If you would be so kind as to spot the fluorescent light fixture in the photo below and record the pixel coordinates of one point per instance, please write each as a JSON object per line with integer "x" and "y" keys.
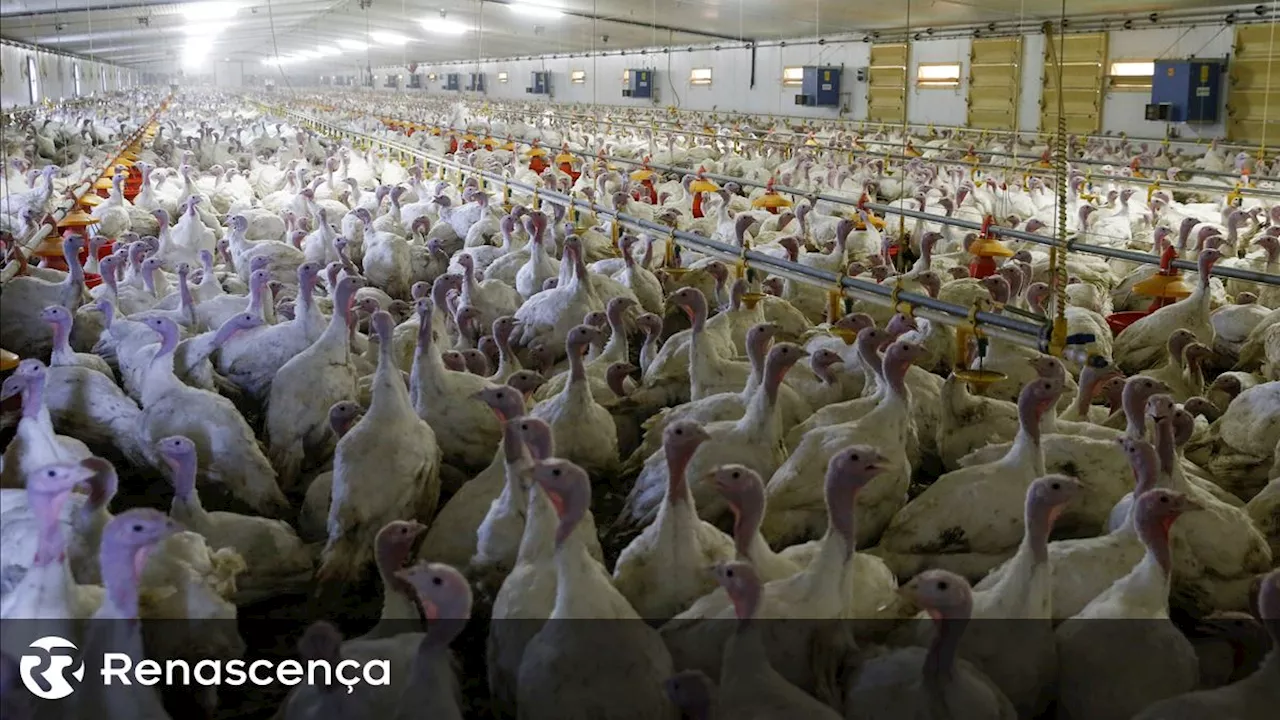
{"x": 1133, "y": 68}
{"x": 535, "y": 9}
{"x": 210, "y": 10}
{"x": 326, "y": 51}
{"x": 195, "y": 51}
{"x": 347, "y": 44}
{"x": 444, "y": 27}
{"x": 938, "y": 74}
{"x": 205, "y": 29}
{"x": 389, "y": 38}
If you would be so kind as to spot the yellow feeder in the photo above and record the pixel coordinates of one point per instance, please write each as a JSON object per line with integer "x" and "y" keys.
{"x": 643, "y": 174}
{"x": 811, "y": 142}
{"x": 701, "y": 185}
{"x": 89, "y": 200}
{"x": 771, "y": 200}
{"x": 751, "y": 299}
{"x": 565, "y": 158}
{"x": 8, "y": 360}
{"x": 77, "y": 218}
{"x": 1163, "y": 286}
{"x": 489, "y": 142}
{"x": 536, "y": 152}
{"x": 979, "y": 379}
{"x": 911, "y": 150}
{"x": 103, "y": 184}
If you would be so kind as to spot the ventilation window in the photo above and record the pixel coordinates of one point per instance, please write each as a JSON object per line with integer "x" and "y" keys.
{"x": 700, "y": 76}
{"x": 502, "y": 77}
{"x": 626, "y": 78}
{"x": 938, "y": 75}
{"x": 431, "y": 76}
{"x": 578, "y": 77}
{"x": 33, "y": 80}
{"x": 1131, "y": 74}
{"x": 793, "y": 76}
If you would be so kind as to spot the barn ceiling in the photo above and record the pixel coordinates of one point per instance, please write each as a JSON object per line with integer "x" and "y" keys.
{"x": 142, "y": 32}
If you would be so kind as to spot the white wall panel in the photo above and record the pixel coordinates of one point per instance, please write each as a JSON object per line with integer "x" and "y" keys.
{"x": 731, "y": 80}
{"x": 57, "y": 80}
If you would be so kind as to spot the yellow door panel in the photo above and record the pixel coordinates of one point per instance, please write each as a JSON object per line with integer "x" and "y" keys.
{"x": 1253, "y": 86}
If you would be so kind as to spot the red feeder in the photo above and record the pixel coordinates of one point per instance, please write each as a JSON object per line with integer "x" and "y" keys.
{"x": 985, "y": 250}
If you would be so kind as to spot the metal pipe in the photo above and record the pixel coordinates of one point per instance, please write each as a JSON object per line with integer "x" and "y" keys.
{"x": 1013, "y": 329}
{"x": 1074, "y": 246}
{"x": 1220, "y": 271}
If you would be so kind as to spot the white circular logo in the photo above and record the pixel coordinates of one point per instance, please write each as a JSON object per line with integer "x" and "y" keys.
{"x": 54, "y": 677}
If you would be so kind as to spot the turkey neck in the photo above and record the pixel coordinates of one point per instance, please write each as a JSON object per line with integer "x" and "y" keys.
{"x": 1090, "y": 379}
{"x": 120, "y": 572}
{"x": 390, "y": 396}
{"x": 336, "y": 332}
{"x": 61, "y": 337}
{"x": 186, "y": 501}
{"x": 939, "y": 663}
{"x": 1133, "y": 403}
{"x": 677, "y": 483}
{"x": 747, "y": 517}
{"x": 1167, "y": 455}
{"x": 1026, "y": 446}
{"x": 537, "y": 543}
{"x": 577, "y": 368}
{"x": 51, "y": 544}
{"x": 185, "y": 303}
{"x": 578, "y": 579}
{"x": 761, "y": 412}
{"x": 1156, "y": 566}
{"x": 257, "y": 292}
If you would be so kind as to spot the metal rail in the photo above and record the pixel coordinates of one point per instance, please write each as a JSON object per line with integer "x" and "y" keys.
{"x": 1004, "y": 327}
{"x": 85, "y": 186}
{"x": 1072, "y": 245}
{"x": 1154, "y": 183}
{"x": 739, "y": 138}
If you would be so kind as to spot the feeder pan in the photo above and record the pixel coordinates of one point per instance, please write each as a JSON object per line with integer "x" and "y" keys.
{"x": 77, "y": 218}
{"x": 489, "y": 142}
{"x": 642, "y": 174}
{"x": 435, "y": 131}
{"x": 773, "y": 201}
{"x": 848, "y": 335}
{"x": 1121, "y": 320}
{"x": 703, "y": 185}
{"x": 989, "y": 247}
{"x": 751, "y": 299}
{"x": 88, "y": 200}
{"x": 8, "y": 360}
{"x": 980, "y": 380}
{"x": 536, "y": 152}
{"x": 103, "y": 186}
{"x": 468, "y": 138}
{"x": 564, "y": 158}
{"x": 123, "y": 161}
{"x": 1162, "y": 286}
{"x": 811, "y": 142}
{"x": 876, "y": 222}
{"x": 676, "y": 272}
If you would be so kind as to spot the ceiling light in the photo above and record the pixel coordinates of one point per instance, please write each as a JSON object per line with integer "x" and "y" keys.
{"x": 444, "y": 27}
{"x": 389, "y": 38}
{"x": 323, "y": 51}
{"x": 535, "y": 9}
{"x": 210, "y": 10}
{"x": 205, "y": 29}
{"x": 352, "y": 44}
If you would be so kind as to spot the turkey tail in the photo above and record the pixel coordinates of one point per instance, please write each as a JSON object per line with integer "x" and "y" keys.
{"x": 287, "y": 461}
{"x": 342, "y": 562}
{"x": 835, "y": 657}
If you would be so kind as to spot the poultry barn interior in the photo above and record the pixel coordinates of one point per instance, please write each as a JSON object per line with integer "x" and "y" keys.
{"x": 603, "y": 360}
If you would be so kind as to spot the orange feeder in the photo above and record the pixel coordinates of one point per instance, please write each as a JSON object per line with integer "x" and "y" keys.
{"x": 985, "y": 250}
{"x": 453, "y": 144}
{"x": 700, "y": 185}
{"x": 644, "y": 176}
{"x": 103, "y": 186}
{"x": 468, "y": 142}
{"x": 1165, "y": 287}
{"x": 8, "y": 360}
{"x": 537, "y": 158}
{"x": 565, "y": 161}
{"x": 770, "y": 200}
